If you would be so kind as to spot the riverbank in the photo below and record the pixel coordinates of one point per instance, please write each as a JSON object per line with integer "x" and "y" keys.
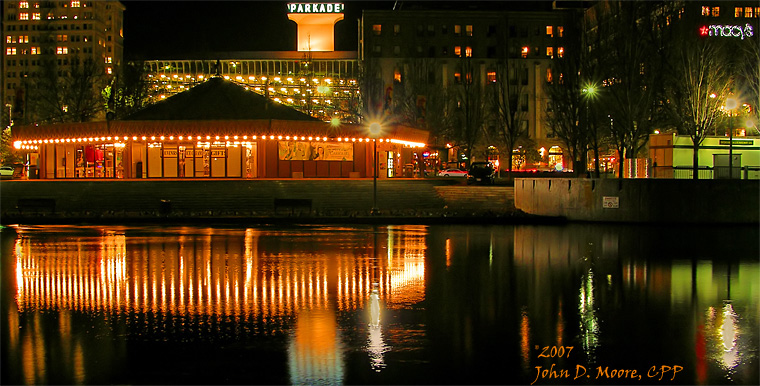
{"x": 419, "y": 201}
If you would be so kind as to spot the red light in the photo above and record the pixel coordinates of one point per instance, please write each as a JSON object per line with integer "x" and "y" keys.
{"x": 704, "y": 31}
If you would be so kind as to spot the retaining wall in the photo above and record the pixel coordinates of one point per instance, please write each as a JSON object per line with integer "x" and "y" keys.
{"x": 641, "y": 200}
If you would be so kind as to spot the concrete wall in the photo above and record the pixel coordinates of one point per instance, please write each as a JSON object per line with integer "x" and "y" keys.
{"x": 641, "y": 200}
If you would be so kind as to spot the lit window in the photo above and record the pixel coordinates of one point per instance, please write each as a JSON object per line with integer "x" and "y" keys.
{"x": 549, "y": 75}
{"x": 560, "y": 51}
{"x": 705, "y": 10}
{"x": 377, "y": 29}
{"x": 35, "y": 50}
{"x": 457, "y": 30}
{"x": 525, "y": 52}
{"x": 757, "y": 11}
{"x": 560, "y": 30}
{"x": 457, "y": 77}
{"x": 458, "y": 51}
{"x": 23, "y": 16}
{"x": 109, "y": 60}
{"x": 396, "y": 29}
{"x": 468, "y": 30}
{"x": 75, "y": 4}
{"x": 23, "y": 39}
{"x": 62, "y": 50}
{"x": 738, "y": 12}
{"x": 9, "y": 39}
{"x": 491, "y": 76}
{"x": 550, "y": 52}
{"x": 10, "y": 51}
{"x": 23, "y": 4}
{"x": 748, "y": 12}
{"x": 716, "y": 11}
{"x": 468, "y": 52}
{"x": 109, "y": 71}
{"x": 397, "y": 76}
{"x": 36, "y": 16}
{"x": 550, "y": 31}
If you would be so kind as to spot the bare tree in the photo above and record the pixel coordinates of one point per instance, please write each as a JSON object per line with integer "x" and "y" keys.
{"x": 127, "y": 91}
{"x": 697, "y": 90}
{"x": 625, "y": 40}
{"x": 566, "y": 103}
{"x": 69, "y": 91}
{"x": 420, "y": 101}
{"x": 749, "y": 75}
{"x": 371, "y": 85}
{"x": 468, "y": 108}
{"x": 505, "y": 103}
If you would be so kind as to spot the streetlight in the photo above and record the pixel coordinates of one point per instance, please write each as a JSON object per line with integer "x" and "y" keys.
{"x": 590, "y": 92}
{"x": 374, "y": 130}
{"x": 730, "y": 106}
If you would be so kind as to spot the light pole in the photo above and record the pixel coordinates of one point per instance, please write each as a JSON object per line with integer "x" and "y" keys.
{"x": 730, "y": 106}
{"x": 374, "y": 130}
{"x": 589, "y": 92}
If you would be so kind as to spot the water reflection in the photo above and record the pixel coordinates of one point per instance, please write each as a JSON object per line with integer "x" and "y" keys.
{"x": 392, "y": 304}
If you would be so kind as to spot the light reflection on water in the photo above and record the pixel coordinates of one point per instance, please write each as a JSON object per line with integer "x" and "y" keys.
{"x": 373, "y": 304}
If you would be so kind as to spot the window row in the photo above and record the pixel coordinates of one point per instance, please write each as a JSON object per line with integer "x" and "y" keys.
{"x": 41, "y": 27}
{"x": 51, "y": 4}
{"x": 550, "y": 30}
{"x": 459, "y": 51}
{"x": 24, "y": 16}
{"x": 61, "y": 50}
{"x": 747, "y": 12}
{"x": 24, "y": 39}
{"x": 711, "y": 11}
{"x": 377, "y": 29}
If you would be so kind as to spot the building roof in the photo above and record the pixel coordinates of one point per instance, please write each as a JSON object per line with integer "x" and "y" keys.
{"x": 215, "y": 109}
{"x": 218, "y": 99}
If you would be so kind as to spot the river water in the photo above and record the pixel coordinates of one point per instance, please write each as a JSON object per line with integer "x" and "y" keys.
{"x": 364, "y": 304}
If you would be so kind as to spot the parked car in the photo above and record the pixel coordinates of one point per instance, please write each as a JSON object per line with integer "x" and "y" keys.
{"x": 452, "y": 173}
{"x": 481, "y": 173}
{"x": 6, "y": 172}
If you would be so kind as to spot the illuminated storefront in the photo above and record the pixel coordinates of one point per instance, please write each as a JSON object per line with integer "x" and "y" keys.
{"x": 216, "y": 130}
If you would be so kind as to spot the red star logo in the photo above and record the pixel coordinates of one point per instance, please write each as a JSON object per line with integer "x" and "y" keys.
{"x": 703, "y": 31}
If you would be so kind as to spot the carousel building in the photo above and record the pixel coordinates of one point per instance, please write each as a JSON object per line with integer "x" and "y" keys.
{"x": 217, "y": 129}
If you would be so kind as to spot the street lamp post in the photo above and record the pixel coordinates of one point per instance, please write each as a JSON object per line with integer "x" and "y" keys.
{"x": 730, "y": 106}
{"x": 374, "y": 130}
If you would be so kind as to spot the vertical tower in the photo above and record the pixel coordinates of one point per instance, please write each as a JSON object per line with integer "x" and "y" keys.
{"x": 316, "y": 24}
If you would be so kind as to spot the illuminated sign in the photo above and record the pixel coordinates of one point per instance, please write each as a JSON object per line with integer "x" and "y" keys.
{"x": 315, "y": 7}
{"x": 729, "y": 31}
{"x": 740, "y": 142}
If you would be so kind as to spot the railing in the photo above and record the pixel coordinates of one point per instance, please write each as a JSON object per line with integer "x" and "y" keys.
{"x": 717, "y": 172}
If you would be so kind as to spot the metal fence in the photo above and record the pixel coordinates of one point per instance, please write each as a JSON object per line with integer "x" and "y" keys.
{"x": 718, "y": 172}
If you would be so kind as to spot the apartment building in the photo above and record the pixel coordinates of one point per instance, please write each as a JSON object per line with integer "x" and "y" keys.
{"x": 39, "y": 34}
{"x": 455, "y": 46}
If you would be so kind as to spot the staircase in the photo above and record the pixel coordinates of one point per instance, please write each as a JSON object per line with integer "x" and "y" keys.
{"x": 478, "y": 198}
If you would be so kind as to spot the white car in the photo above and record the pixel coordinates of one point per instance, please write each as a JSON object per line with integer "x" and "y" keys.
{"x": 6, "y": 171}
{"x": 452, "y": 173}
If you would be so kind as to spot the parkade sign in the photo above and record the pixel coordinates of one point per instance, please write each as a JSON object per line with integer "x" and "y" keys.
{"x": 315, "y": 7}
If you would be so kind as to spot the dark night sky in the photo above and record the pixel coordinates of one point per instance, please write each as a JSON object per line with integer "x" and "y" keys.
{"x": 183, "y": 29}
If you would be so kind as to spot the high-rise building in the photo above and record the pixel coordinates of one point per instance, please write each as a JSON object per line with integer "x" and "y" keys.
{"x": 42, "y": 36}
{"x": 407, "y": 51}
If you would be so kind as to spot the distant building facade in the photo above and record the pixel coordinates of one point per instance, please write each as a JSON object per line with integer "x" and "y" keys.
{"x": 321, "y": 84}
{"x": 451, "y": 47}
{"x": 39, "y": 35}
